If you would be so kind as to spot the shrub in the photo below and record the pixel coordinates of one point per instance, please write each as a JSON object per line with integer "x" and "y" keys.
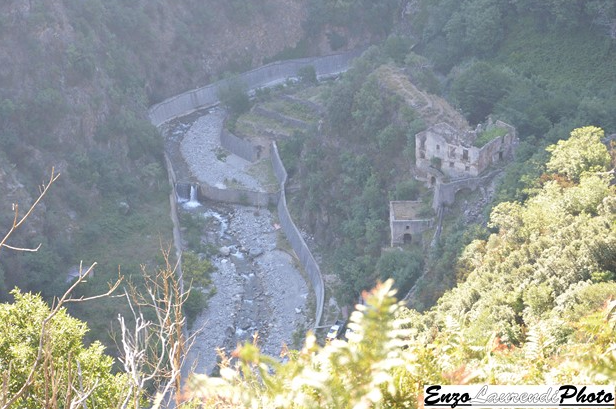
{"x": 307, "y": 75}
{"x": 233, "y": 94}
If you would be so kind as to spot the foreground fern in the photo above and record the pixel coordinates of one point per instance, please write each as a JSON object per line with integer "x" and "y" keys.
{"x": 371, "y": 370}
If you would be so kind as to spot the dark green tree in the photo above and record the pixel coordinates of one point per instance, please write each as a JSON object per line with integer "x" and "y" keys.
{"x": 478, "y": 89}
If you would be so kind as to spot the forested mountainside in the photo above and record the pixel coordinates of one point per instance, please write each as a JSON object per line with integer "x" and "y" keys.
{"x": 545, "y": 69}
{"x": 519, "y": 289}
{"x": 75, "y": 83}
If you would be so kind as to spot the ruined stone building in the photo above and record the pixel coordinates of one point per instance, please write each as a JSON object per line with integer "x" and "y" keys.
{"x": 449, "y": 155}
{"x": 405, "y": 222}
{"x": 450, "y": 159}
{"x": 443, "y": 152}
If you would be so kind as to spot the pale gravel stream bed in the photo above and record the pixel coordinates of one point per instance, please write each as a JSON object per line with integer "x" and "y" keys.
{"x": 259, "y": 288}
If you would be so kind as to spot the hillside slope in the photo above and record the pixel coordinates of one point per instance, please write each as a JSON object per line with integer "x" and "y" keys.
{"x": 75, "y": 82}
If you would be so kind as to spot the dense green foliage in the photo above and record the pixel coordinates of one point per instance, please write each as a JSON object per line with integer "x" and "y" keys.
{"x": 581, "y": 154}
{"x": 113, "y": 172}
{"x": 542, "y": 253}
{"x": 545, "y": 64}
{"x": 67, "y": 367}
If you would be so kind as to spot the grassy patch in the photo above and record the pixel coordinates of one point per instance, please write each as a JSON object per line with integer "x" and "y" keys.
{"x": 292, "y": 109}
{"x": 264, "y": 173}
{"x": 313, "y": 94}
{"x": 234, "y": 184}
{"x": 489, "y": 135}
{"x": 251, "y": 124}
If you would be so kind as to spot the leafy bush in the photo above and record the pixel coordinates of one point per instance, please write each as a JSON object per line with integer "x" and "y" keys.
{"x": 196, "y": 270}
{"x": 308, "y": 75}
{"x": 404, "y": 267}
{"x": 64, "y": 356}
{"x": 336, "y": 41}
{"x": 478, "y": 89}
{"x": 234, "y": 95}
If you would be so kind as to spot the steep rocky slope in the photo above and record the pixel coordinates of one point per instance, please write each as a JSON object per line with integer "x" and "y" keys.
{"x": 76, "y": 78}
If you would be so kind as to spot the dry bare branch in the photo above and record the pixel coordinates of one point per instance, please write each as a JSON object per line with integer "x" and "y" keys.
{"x": 19, "y": 220}
{"x": 153, "y": 352}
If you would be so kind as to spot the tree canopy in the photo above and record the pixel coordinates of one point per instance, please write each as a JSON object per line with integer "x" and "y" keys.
{"x": 68, "y": 370}
{"x": 583, "y": 152}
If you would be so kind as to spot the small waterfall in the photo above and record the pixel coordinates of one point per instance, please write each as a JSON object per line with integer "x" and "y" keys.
{"x": 187, "y": 195}
{"x": 193, "y": 201}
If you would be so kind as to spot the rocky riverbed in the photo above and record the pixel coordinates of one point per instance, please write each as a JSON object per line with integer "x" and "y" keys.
{"x": 259, "y": 288}
{"x": 208, "y": 161}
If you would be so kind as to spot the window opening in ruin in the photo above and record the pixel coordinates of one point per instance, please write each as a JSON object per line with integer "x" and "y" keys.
{"x": 438, "y": 147}
{"x": 465, "y": 154}
{"x": 500, "y": 156}
{"x": 467, "y": 168}
{"x": 433, "y": 180}
{"x": 407, "y": 238}
{"x": 451, "y": 164}
{"x": 408, "y": 227}
{"x": 422, "y": 155}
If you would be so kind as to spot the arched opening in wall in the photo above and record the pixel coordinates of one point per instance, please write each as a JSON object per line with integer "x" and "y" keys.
{"x": 464, "y": 194}
{"x": 407, "y": 238}
{"x": 432, "y": 181}
{"x": 500, "y": 155}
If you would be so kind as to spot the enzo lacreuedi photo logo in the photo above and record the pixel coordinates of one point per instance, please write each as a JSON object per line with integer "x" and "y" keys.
{"x": 518, "y": 396}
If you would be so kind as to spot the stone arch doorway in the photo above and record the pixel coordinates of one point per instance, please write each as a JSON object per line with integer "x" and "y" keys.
{"x": 464, "y": 192}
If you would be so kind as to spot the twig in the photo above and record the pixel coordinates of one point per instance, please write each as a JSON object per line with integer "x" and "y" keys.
{"x": 18, "y": 221}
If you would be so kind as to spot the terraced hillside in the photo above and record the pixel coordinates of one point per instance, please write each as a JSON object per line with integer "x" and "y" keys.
{"x": 277, "y": 117}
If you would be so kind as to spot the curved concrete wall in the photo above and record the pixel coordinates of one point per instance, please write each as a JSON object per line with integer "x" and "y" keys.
{"x": 264, "y": 76}
{"x": 241, "y": 147}
{"x": 295, "y": 238}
